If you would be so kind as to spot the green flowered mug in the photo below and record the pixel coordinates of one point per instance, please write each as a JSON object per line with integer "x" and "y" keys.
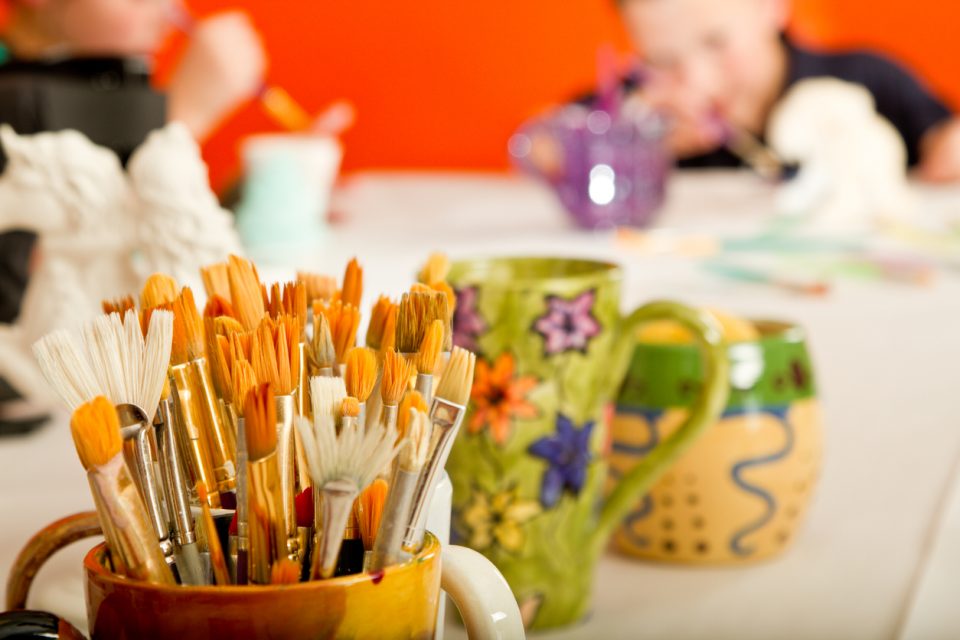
{"x": 528, "y": 467}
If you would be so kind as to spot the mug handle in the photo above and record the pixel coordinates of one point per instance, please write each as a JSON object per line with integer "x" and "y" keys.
{"x": 41, "y": 547}
{"x": 703, "y": 412}
{"x": 481, "y": 594}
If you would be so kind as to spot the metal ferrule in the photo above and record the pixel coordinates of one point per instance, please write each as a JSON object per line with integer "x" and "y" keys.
{"x": 446, "y": 417}
{"x": 425, "y": 386}
{"x": 139, "y": 451}
{"x": 268, "y": 540}
{"x": 393, "y": 527}
{"x": 338, "y": 497}
{"x": 171, "y": 469}
{"x": 192, "y": 423}
{"x": 220, "y": 438}
{"x": 286, "y": 459}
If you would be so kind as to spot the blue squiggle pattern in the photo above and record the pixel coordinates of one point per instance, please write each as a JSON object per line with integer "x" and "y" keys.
{"x": 651, "y": 416}
{"x": 736, "y": 542}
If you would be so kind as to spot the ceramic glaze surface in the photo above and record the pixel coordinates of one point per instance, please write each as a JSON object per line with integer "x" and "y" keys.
{"x": 739, "y": 493}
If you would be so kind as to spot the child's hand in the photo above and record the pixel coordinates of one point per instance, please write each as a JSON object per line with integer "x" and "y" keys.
{"x": 223, "y": 66}
{"x": 940, "y": 153}
{"x": 693, "y": 127}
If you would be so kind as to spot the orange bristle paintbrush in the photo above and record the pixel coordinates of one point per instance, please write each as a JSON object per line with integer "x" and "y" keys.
{"x": 352, "y": 291}
{"x": 319, "y": 287}
{"x": 212, "y": 444}
{"x": 368, "y": 510}
{"x": 361, "y": 376}
{"x": 123, "y": 517}
{"x": 119, "y": 305}
{"x": 216, "y": 280}
{"x": 428, "y": 359}
{"x": 245, "y": 292}
{"x": 159, "y": 289}
{"x": 267, "y": 535}
{"x": 397, "y": 372}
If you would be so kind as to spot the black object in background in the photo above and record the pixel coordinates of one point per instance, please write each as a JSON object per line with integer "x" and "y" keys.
{"x": 107, "y": 99}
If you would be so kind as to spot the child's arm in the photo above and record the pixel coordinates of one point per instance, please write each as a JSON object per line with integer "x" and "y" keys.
{"x": 940, "y": 153}
{"x": 224, "y": 66}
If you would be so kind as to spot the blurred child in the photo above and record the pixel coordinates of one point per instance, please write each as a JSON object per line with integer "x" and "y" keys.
{"x": 709, "y": 65}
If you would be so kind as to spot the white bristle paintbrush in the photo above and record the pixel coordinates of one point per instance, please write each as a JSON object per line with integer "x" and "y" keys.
{"x": 129, "y": 370}
{"x": 327, "y": 394}
{"x": 341, "y": 466}
{"x": 446, "y": 414}
{"x": 411, "y": 459}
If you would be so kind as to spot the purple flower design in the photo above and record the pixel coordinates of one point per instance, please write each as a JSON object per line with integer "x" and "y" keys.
{"x": 468, "y": 324}
{"x": 568, "y": 325}
{"x": 568, "y": 453}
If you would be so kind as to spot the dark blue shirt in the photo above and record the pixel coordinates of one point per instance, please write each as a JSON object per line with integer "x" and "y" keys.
{"x": 909, "y": 106}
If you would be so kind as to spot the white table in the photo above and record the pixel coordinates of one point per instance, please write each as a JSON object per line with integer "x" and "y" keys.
{"x": 879, "y": 555}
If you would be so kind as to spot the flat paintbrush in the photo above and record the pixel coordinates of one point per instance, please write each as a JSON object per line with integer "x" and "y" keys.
{"x": 446, "y": 414}
{"x": 403, "y": 485}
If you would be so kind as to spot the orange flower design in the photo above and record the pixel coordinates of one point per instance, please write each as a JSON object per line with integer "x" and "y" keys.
{"x": 499, "y": 397}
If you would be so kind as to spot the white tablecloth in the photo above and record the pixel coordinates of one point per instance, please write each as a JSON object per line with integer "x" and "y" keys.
{"x": 879, "y": 554}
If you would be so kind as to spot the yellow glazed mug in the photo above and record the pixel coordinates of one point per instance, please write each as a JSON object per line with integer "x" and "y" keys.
{"x": 400, "y": 602}
{"x": 740, "y": 492}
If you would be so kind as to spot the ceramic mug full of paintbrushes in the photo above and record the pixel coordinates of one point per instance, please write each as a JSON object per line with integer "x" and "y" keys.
{"x": 528, "y": 468}
{"x": 399, "y": 602}
{"x": 131, "y": 590}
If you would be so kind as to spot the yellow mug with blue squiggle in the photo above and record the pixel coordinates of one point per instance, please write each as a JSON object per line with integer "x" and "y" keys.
{"x": 740, "y": 492}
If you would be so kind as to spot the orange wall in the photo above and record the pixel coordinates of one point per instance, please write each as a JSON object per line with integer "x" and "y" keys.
{"x": 441, "y": 84}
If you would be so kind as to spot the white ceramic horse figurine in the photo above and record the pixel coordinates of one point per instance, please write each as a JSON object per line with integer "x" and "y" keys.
{"x": 100, "y": 231}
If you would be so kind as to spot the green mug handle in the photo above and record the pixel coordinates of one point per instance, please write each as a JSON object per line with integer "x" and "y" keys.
{"x": 703, "y": 413}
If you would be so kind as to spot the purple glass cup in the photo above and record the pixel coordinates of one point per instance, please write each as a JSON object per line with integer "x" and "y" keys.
{"x": 608, "y": 170}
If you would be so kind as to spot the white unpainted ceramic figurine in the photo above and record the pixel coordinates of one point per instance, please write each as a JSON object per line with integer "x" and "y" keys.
{"x": 853, "y": 162}
{"x": 100, "y": 231}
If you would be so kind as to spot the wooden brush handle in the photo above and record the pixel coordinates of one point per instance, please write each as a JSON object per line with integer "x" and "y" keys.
{"x": 40, "y": 547}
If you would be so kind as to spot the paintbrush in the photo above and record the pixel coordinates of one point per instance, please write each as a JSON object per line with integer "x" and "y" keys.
{"x": 123, "y": 517}
{"x": 319, "y": 287}
{"x": 268, "y": 539}
{"x": 245, "y": 292}
{"x": 285, "y": 571}
{"x": 446, "y": 414}
{"x": 350, "y": 558}
{"x": 212, "y": 447}
{"x": 368, "y": 511}
{"x": 217, "y": 306}
{"x": 216, "y": 280}
{"x": 221, "y": 573}
{"x": 361, "y": 376}
{"x": 119, "y": 305}
{"x": 397, "y": 372}
{"x": 159, "y": 289}
{"x": 435, "y": 269}
{"x": 403, "y": 485}
{"x": 352, "y": 290}
{"x": 275, "y": 361}
{"x": 117, "y": 362}
{"x": 189, "y": 567}
{"x": 741, "y": 273}
{"x": 327, "y": 395}
{"x": 428, "y": 359}
{"x": 323, "y": 356}
{"x": 244, "y": 381}
{"x": 344, "y": 320}
{"x": 341, "y": 466}
{"x": 381, "y": 333}
{"x": 417, "y": 312}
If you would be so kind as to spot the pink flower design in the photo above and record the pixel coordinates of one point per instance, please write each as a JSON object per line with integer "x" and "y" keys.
{"x": 468, "y": 324}
{"x": 568, "y": 325}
